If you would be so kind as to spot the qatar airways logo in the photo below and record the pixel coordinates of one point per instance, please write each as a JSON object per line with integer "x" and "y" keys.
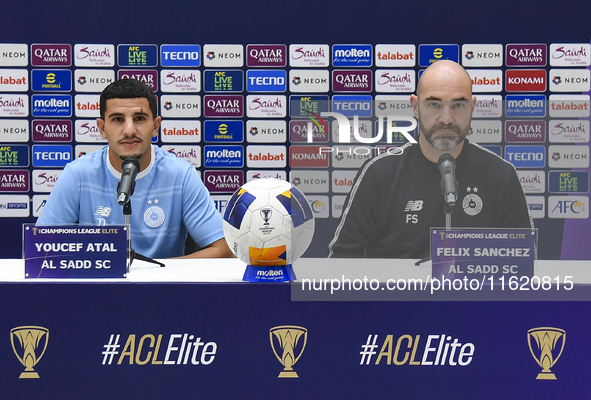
{"x": 51, "y": 55}
{"x": 266, "y": 55}
{"x": 570, "y": 54}
{"x": 94, "y": 55}
{"x": 52, "y": 130}
{"x": 149, "y": 77}
{"x": 393, "y": 81}
{"x": 266, "y": 106}
{"x": 303, "y": 55}
{"x": 525, "y": 131}
{"x": 223, "y": 181}
{"x": 180, "y": 81}
{"x": 526, "y": 55}
{"x": 221, "y": 106}
{"x": 14, "y": 181}
{"x": 351, "y": 81}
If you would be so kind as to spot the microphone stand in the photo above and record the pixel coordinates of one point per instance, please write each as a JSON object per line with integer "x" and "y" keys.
{"x": 132, "y": 255}
{"x": 448, "y": 209}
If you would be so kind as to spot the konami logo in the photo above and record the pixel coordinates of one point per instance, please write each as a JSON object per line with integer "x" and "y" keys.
{"x": 525, "y": 80}
{"x": 307, "y": 157}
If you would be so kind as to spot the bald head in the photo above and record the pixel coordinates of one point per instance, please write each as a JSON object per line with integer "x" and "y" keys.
{"x": 445, "y": 73}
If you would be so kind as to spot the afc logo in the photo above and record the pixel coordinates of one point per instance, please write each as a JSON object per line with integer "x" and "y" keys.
{"x": 414, "y": 206}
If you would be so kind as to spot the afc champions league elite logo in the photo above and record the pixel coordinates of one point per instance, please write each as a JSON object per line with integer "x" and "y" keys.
{"x": 547, "y": 349}
{"x": 29, "y": 347}
{"x": 289, "y": 339}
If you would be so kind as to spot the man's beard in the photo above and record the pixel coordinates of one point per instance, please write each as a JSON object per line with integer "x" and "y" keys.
{"x": 138, "y": 156}
{"x": 444, "y": 141}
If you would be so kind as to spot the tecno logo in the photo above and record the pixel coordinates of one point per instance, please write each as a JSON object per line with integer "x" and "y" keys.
{"x": 525, "y": 80}
{"x": 526, "y": 156}
{"x": 51, "y": 155}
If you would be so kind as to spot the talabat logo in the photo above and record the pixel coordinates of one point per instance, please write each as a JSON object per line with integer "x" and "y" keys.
{"x": 191, "y": 154}
{"x": 44, "y": 179}
{"x": 266, "y": 106}
{"x": 52, "y": 130}
{"x": 569, "y": 207}
{"x": 525, "y": 80}
{"x": 307, "y": 157}
{"x": 431, "y": 53}
{"x": 304, "y": 106}
{"x": 266, "y": 156}
{"x": 223, "y": 181}
{"x": 51, "y": 80}
{"x": 298, "y": 131}
{"x": 526, "y": 156}
{"x": 525, "y": 131}
{"x": 352, "y": 55}
{"x": 568, "y": 181}
{"x": 180, "y": 81}
{"x": 261, "y": 131}
{"x": 57, "y": 105}
{"x": 223, "y": 157}
{"x": 180, "y": 106}
{"x": 351, "y": 81}
{"x": 568, "y": 156}
{"x": 532, "y": 106}
{"x": 180, "y": 131}
{"x": 51, "y": 55}
{"x": 395, "y": 81}
{"x": 133, "y": 55}
{"x": 569, "y": 106}
{"x": 391, "y": 55}
{"x": 223, "y": 55}
{"x": 393, "y": 105}
{"x": 93, "y": 80}
{"x": 486, "y": 80}
{"x": 223, "y": 106}
{"x": 14, "y": 156}
{"x": 14, "y": 130}
{"x": 532, "y": 181}
{"x": 308, "y": 55}
{"x": 310, "y": 181}
{"x": 14, "y": 181}
{"x": 568, "y": 131}
{"x": 570, "y": 80}
{"x": 526, "y": 55}
{"x": 94, "y": 55}
{"x": 266, "y": 80}
{"x": 482, "y": 55}
{"x": 352, "y": 105}
{"x": 51, "y": 155}
{"x": 87, "y": 131}
{"x": 14, "y": 80}
{"x": 486, "y": 131}
{"x": 268, "y": 55}
{"x": 223, "y": 80}
{"x": 308, "y": 81}
{"x": 14, "y": 55}
{"x": 570, "y": 54}
{"x": 228, "y": 131}
{"x": 488, "y": 106}
{"x": 180, "y": 55}
{"x": 87, "y": 105}
{"x": 149, "y": 77}
{"x": 14, "y": 105}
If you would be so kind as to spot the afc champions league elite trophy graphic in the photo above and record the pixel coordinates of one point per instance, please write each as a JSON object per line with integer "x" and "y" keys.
{"x": 288, "y": 337}
{"x": 546, "y": 339}
{"x": 32, "y": 342}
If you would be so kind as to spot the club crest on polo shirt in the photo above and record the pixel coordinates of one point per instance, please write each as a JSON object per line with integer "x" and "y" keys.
{"x": 154, "y": 216}
{"x": 472, "y": 203}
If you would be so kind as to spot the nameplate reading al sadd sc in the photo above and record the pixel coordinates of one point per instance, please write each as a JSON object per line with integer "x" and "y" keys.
{"x": 482, "y": 253}
{"x": 75, "y": 251}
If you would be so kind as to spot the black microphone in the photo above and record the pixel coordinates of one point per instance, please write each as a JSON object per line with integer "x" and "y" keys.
{"x": 129, "y": 170}
{"x": 449, "y": 185}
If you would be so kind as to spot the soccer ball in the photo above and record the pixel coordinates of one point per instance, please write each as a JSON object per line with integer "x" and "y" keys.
{"x": 268, "y": 223}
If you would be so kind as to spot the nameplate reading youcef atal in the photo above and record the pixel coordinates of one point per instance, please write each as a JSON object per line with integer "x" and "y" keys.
{"x": 75, "y": 251}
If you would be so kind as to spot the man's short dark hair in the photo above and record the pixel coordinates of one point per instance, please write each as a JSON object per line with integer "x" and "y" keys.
{"x": 127, "y": 89}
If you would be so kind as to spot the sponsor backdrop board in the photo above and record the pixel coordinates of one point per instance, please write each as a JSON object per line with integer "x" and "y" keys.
{"x": 250, "y": 91}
